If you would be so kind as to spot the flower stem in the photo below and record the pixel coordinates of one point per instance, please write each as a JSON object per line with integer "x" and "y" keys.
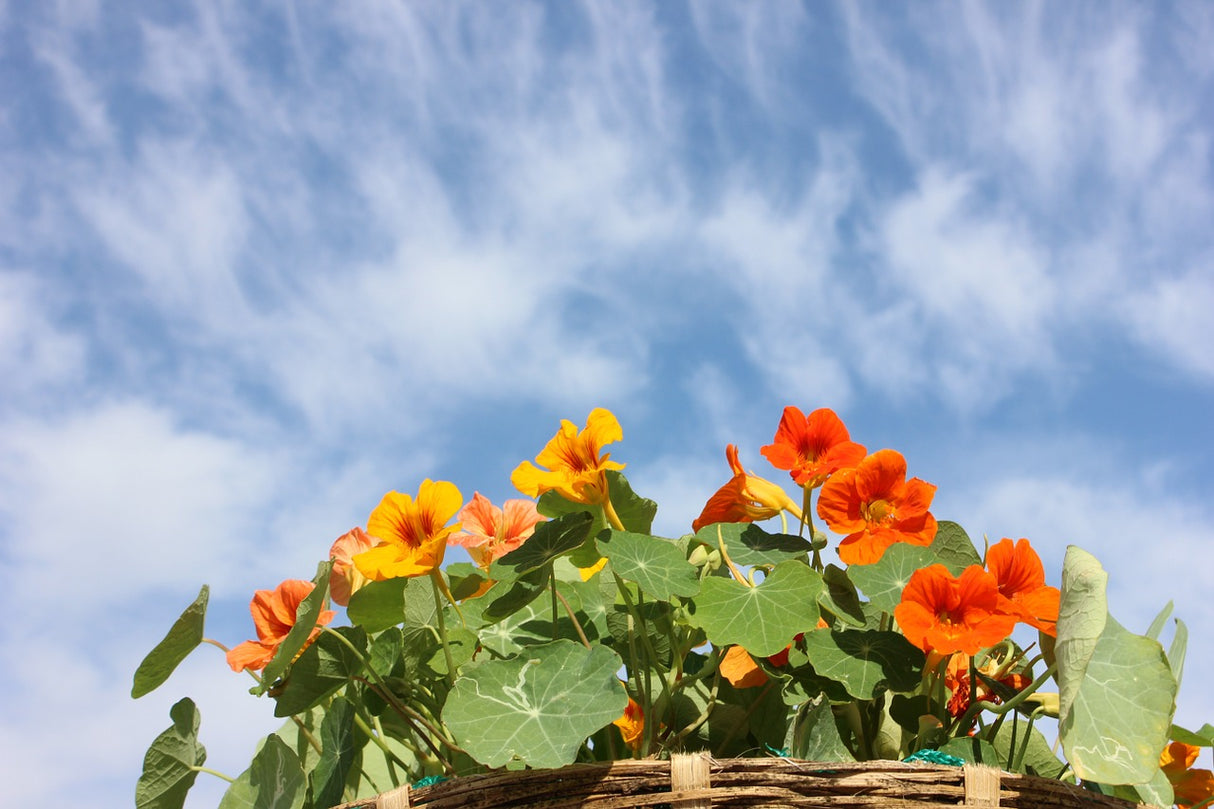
{"x": 215, "y": 773}
{"x": 435, "y": 575}
{"x": 612, "y": 518}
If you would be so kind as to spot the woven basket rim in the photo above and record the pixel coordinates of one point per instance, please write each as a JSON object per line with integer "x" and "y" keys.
{"x": 699, "y": 781}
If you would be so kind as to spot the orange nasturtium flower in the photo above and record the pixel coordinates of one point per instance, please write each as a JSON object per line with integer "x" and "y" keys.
{"x": 574, "y": 466}
{"x": 344, "y": 579}
{"x": 740, "y": 669}
{"x": 943, "y": 613}
{"x": 412, "y": 533}
{"x": 1189, "y": 786}
{"x": 745, "y": 498}
{"x": 1021, "y": 577}
{"x": 875, "y": 506}
{"x": 273, "y": 616}
{"x": 812, "y": 447}
{"x": 631, "y": 725}
{"x": 489, "y": 532}
{"x": 962, "y": 691}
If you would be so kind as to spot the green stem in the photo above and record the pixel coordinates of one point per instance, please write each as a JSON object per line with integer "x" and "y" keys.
{"x": 215, "y": 773}
{"x": 442, "y": 623}
{"x": 552, "y": 586}
{"x": 577, "y": 625}
{"x": 999, "y": 709}
{"x": 807, "y": 521}
{"x": 382, "y": 745}
{"x": 612, "y": 518}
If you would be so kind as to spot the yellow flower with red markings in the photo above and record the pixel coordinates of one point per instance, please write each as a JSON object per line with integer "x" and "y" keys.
{"x": 412, "y": 534}
{"x": 572, "y": 463}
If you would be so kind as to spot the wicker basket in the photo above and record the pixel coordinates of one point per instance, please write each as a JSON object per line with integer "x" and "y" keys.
{"x": 700, "y": 782}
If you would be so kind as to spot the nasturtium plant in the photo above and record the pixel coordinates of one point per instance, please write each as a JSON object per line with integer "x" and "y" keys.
{"x": 861, "y": 628}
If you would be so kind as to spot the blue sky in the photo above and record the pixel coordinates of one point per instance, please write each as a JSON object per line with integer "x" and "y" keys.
{"x": 261, "y": 263}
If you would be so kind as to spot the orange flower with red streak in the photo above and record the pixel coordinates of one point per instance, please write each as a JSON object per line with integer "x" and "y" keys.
{"x": 962, "y": 691}
{"x": 632, "y": 725}
{"x": 875, "y": 506}
{"x": 273, "y": 617}
{"x": 412, "y": 533}
{"x": 745, "y": 498}
{"x": 574, "y": 466}
{"x": 1190, "y": 786}
{"x": 1021, "y": 578}
{"x": 943, "y": 613}
{"x": 489, "y": 532}
{"x": 812, "y": 447}
{"x": 344, "y": 579}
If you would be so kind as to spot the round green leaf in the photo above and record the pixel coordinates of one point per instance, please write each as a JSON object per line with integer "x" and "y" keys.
{"x": 763, "y": 619}
{"x": 1082, "y": 613}
{"x": 883, "y": 580}
{"x": 865, "y": 661}
{"x": 748, "y": 544}
{"x": 953, "y": 548}
{"x": 658, "y": 566}
{"x": 536, "y": 708}
{"x": 183, "y": 637}
{"x": 551, "y": 539}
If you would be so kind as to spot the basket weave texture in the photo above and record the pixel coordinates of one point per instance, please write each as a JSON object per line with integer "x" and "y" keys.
{"x": 701, "y": 782}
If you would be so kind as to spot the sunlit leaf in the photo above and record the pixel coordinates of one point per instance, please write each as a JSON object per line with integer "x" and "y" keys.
{"x": 813, "y": 735}
{"x": 658, "y": 566}
{"x": 536, "y": 708}
{"x": 183, "y": 637}
{"x": 168, "y": 765}
{"x": 953, "y": 548}
{"x": 884, "y": 580}
{"x": 748, "y": 544}
{"x": 763, "y": 619}
{"x": 551, "y": 539}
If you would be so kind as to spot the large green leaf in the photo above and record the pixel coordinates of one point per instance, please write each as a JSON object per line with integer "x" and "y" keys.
{"x": 748, "y": 544}
{"x": 275, "y": 780}
{"x": 865, "y": 661}
{"x": 551, "y": 539}
{"x": 1082, "y": 613}
{"x": 324, "y": 667}
{"x": 658, "y": 566}
{"x": 169, "y": 766}
{"x": 305, "y": 621}
{"x": 536, "y": 708}
{"x": 378, "y": 605}
{"x": 532, "y": 624}
{"x": 763, "y": 619}
{"x": 1117, "y": 722}
{"x": 634, "y": 511}
{"x": 953, "y": 548}
{"x": 884, "y": 580}
{"x": 338, "y": 747}
{"x": 183, "y": 637}
{"x": 813, "y": 735}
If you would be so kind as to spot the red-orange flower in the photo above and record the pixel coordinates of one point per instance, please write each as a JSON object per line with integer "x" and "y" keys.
{"x": 943, "y": 613}
{"x": 962, "y": 691}
{"x": 489, "y": 532}
{"x": 412, "y": 533}
{"x": 875, "y": 506}
{"x": 745, "y": 498}
{"x": 344, "y": 579}
{"x": 1189, "y": 786}
{"x": 273, "y": 617}
{"x": 1021, "y": 577}
{"x": 812, "y": 447}
{"x": 575, "y": 467}
{"x": 632, "y": 725}
{"x": 740, "y": 669}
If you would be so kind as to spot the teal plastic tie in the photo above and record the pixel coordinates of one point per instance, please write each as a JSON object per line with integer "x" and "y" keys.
{"x": 935, "y": 757}
{"x": 429, "y": 781}
{"x": 782, "y": 752}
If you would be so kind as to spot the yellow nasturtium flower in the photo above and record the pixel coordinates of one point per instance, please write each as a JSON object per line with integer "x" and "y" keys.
{"x": 412, "y": 534}
{"x": 573, "y": 464}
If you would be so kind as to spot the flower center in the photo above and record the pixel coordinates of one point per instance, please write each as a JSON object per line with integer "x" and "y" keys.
{"x": 878, "y": 511}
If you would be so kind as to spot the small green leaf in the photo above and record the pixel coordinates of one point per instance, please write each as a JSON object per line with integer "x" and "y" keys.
{"x": 658, "y": 566}
{"x": 1176, "y": 652}
{"x": 464, "y": 579}
{"x": 508, "y": 597}
{"x": 748, "y": 544}
{"x": 338, "y": 747}
{"x": 1202, "y": 738}
{"x": 536, "y": 708}
{"x": 323, "y": 668}
{"x": 865, "y": 661}
{"x": 953, "y": 548}
{"x": 840, "y": 597}
{"x": 884, "y": 580}
{"x": 551, "y": 539}
{"x": 634, "y": 511}
{"x": 1160, "y": 620}
{"x": 183, "y": 637}
{"x": 813, "y": 735}
{"x": 378, "y": 605}
{"x": 275, "y": 780}
{"x": 763, "y": 619}
{"x": 1039, "y": 758}
{"x": 169, "y": 764}
{"x": 974, "y": 750}
{"x": 305, "y": 621}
